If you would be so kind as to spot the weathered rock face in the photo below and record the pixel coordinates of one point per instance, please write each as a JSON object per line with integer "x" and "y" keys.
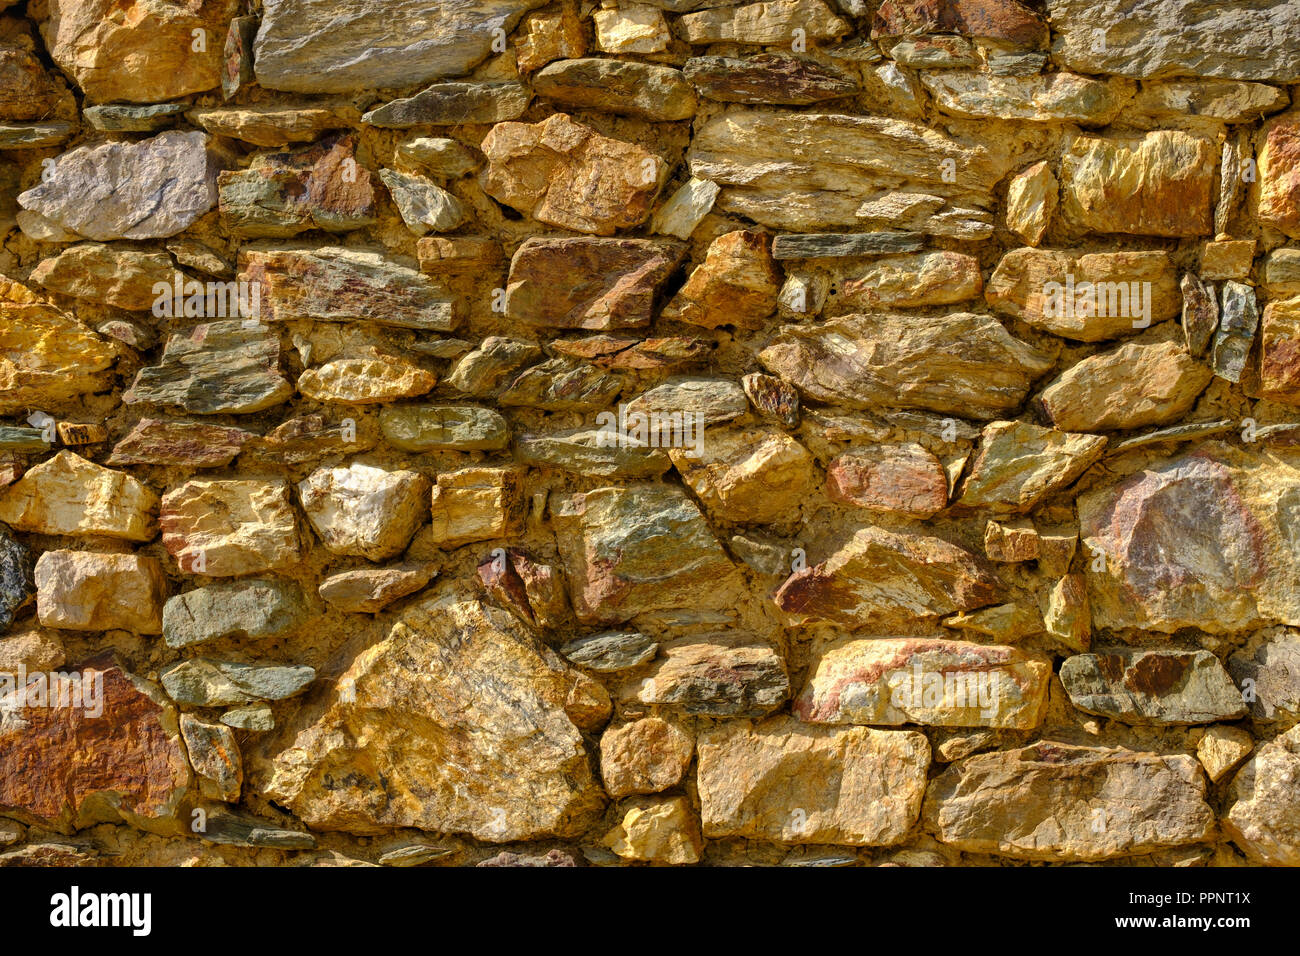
{"x": 1197, "y": 540}
{"x": 1262, "y": 811}
{"x": 311, "y": 47}
{"x": 146, "y": 190}
{"x": 1154, "y": 185}
{"x": 889, "y": 581}
{"x": 638, "y": 548}
{"x": 461, "y": 407}
{"x": 567, "y": 175}
{"x": 892, "y": 681}
{"x": 1159, "y": 38}
{"x": 81, "y": 591}
{"x": 1160, "y": 687}
{"x": 788, "y": 782}
{"x": 142, "y": 776}
{"x": 143, "y": 51}
{"x": 1052, "y": 801}
{"x": 451, "y": 752}
{"x": 863, "y": 361}
{"x": 69, "y": 495}
{"x": 228, "y": 528}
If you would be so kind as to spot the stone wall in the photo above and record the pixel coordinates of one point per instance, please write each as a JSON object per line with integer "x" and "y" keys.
{"x": 803, "y": 432}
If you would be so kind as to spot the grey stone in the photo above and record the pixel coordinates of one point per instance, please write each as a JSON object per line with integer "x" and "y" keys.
{"x": 17, "y": 585}
{"x": 424, "y": 206}
{"x": 204, "y": 682}
{"x": 611, "y": 651}
{"x": 1152, "y": 687}
{"x": 1268, "y": 672}
{"x": 1238, "y": 320}
{"x": 452, "y": 104}
{"x": 248, "y": 608}
{"x": 835, "y": 245}
{"x": 125, "y": 118}
{"x": 420, "y": 428}
{"x": 581, "y": 451}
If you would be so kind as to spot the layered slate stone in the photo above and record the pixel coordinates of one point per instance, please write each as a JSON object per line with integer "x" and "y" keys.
{"x": 934, "y": 681}
{"x": 337, "y": 47}
{"x": 638, "y": 548}
{"x": 139, "y": 774}
{"x": 611, "y": 652}
{"x": 737, "y": 284}
{"x": 205, "y": 682}
{"x": 337, "y": 284}
{"x": 1152, "y": 687}
{"x": 226, "y": 367}
{"x": 84, "y": 591}
{"x": 1199, "y": 540}
{"x": 588, "y": 451}
{"x": 68, "y": 495}
{"x": 1020, "y": 464}
{"x": 1154, "y": 184}
{"x": 561, "y": 384}
{"x": 788, "y": 782}
{"x": 565, "y": 174}
{"x": 420, "y": 428}
{"x": 159, "y": 441}
{"x": 137, "y": 51}
{"x": 778, "y": 78}
{"x": 363, "y": 510}
{"x": 256, "y": 609}
{"x": 1055, "y": 801}
{"x": 423, "y": 205}
{"x": 1164, "y": 37}
{"x": 428, "y": 725}
{"x": 453, "y": 104}
{"x": 712, "y": 400}
{"x": 282, "y": 194}
{"x": 722, "y": 674}
{"x": 890, "y": 582}
{"x": 896, "y": 479}
{"x": 806, "y": 171}
{"x": 747, "y": 475}
{"x": 229, "y": 528}
{"x": 1087, "y": 298}
{"x": 46, "y": 355}
{"x": 1142, "y": 383}
{"x": 129, "y": 190}
{"x": 589, "y": 283}
{"x": 29, "y": 91}
{"x": 866, "y": 361}
{"x": 113, "y": 275}
{"x": 645, "y": 90}
{"x": 1045, "y": 98}
{"x": 274, "y": 124}
{"x": 1264, "y": 807}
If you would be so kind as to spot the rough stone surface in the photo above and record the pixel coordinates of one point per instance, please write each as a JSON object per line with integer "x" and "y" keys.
{"x": 254, "y": 609}
{"x": 1262, "y": 811}
{"x": 363, "y": 510}
{"x": 81, "y": 591}
{"x": 1160, "y": 687}
{"x": 229, "y": 528}
{"x": 1020, "y": 464}
{"x": 69, "y": 495}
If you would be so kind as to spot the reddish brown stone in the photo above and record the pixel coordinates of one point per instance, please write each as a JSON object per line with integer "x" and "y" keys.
{"x": 1279, "y": 175}
{"x": 737, "y": 284}
{"x": 27, "y": 89}
{"x": 282, "y": 194}
{"x": 898, "y": 479}
{"x": 588, "y": 283}
{"x": 772, "y": 398}
{"x": 996, "y": 19}
{"x": 155, "y": 441}
{"x": 66, "y": 768}
{"x": 533, "y": 591}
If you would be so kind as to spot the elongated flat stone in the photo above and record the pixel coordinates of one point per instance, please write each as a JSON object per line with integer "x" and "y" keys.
{"x": 68, "y": 495}
{"x": 436, "y": 427}
{"x": 1052, "y": 801}
{"x": 1019, "y": 464}
{"x": 226, "y": 367}
{"x": 452, "y": 104}
{"x": 123, "y": 190}
{"x": 204, "y": 682}
{"x": 869, "y": 361}
{"x": 310, "y": 46}
{"x": 779, "y": 78}
{"x": 1152, "y": 687}
{"x": 337, "y": 284}
{"x": 155, "y": 441}
{"x": 586, "y": 451}
{"x": 933, "y": 681}
{"x": 723, "y": 674}
{"x": 831, "y": 245}
{"x": 611, "y": 651}
{"x": 248, "y": 609}
{"x": 645, "y": 90}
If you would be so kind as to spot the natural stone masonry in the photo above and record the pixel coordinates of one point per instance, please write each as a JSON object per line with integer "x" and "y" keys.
{"x": 650, "y": 432}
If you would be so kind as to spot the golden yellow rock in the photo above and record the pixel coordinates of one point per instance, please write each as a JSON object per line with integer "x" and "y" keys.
{"x": 69, "y": 495}
{"x": 737, "y": 284}
{"x": 749, "y": 475}
{"x": 1221, "y": 748}
{"x": 1032, "y": 197}
{"x": 644, "y": 756}
{"x": 657, "y": 831}
{"x": 47, "y": 357}
{"x": 1227, "y": 259}
{"x": 365, "y": 381}
{"x": 477, "y": 504}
